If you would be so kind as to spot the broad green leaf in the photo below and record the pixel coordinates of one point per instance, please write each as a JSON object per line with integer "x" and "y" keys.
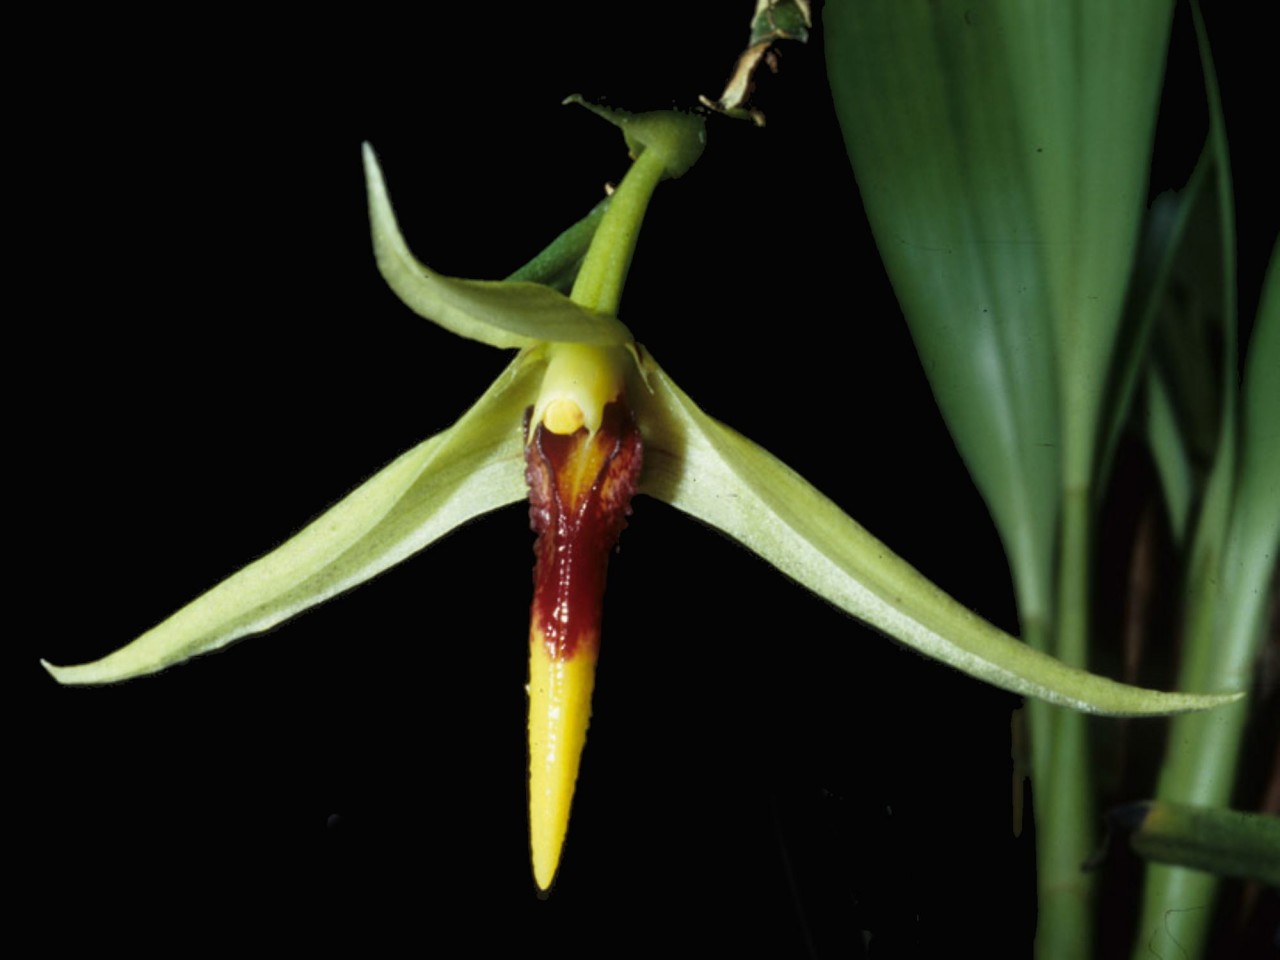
{"x": 1087, "y": 78}
{"x": 1001, "y": 150}
{"x": 499, "y": 313}
{"x": 709, "y": 471}
{"x": 475, "y": 466}
{"x": 929, "y": 120}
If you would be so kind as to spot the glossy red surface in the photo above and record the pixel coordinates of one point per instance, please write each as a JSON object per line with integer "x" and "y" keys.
{"x": 580, "y": 491}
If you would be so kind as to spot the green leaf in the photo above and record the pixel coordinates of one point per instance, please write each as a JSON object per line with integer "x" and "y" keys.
{"x": 1163, "y": 237}
{"x": 1190, "y": 340}
{"x": 1227, "y": 843}
{"x": 1210, "y": 658}
{"x": 475, "y": 466}
{"x": 1228, "y": 649}
{"x": 1254, "y": 538}
{"x": 1001, "y": 150}
{"x": 1173, "y": 466}
{"x": 928, "y": 118}
{"x": 707, "y": 470}
{"x": 499, "y": 313}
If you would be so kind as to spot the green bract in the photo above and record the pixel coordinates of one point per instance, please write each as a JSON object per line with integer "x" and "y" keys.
{"x": 477, "y": 465}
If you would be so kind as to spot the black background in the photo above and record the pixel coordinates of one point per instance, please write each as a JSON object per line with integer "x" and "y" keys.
{"x": 218, "y": 361}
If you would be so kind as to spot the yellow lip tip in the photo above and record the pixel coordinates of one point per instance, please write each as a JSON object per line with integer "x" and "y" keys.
{"x": 559, "y": 713}
{"x": 544, "y": 872}
{"x": 546, "y": 860}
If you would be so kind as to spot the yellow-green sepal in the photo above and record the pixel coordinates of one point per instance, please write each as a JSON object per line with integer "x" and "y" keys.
{"x": 715, "y": 474}
{"x": 475, "y": 466}
{"x": 497, "y": 312}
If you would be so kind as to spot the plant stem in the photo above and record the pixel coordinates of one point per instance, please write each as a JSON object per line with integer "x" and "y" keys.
{"x": 1223, "y": 631}
{"x": 1037, "y": 633}
{"x": 1061, "y": 784}
{"x": 1177, "y": 903}
{"x": 604, "y": 269}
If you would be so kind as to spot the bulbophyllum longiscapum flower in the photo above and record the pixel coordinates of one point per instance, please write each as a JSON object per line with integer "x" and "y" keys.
{"x": 580, "y": 420}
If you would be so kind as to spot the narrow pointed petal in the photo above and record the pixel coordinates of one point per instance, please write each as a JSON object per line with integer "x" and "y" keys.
{"x": 722, "y": 478}
{"x": 580, "y": 487}
{"x": 499, "y": 313}
{"x": 473, "y": 467}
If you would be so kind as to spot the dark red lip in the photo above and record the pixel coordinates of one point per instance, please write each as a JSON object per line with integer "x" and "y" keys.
{"x": 580, "y": 488}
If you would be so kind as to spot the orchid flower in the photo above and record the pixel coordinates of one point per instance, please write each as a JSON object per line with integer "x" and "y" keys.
{"x": 582, "y": 419}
